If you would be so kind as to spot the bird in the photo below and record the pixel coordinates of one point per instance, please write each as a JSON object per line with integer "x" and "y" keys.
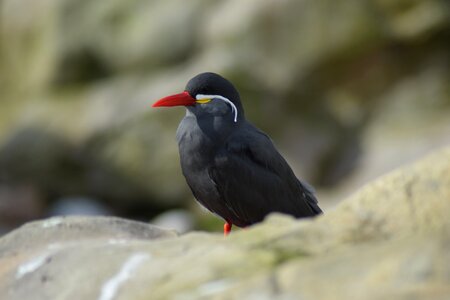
{"x": 233, "y": 168}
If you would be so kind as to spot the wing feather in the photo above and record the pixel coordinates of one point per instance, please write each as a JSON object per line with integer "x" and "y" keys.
{"x": 254, "y": 180}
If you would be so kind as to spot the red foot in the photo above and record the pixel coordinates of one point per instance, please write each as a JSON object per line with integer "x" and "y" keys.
{"x": 227, "y": 228}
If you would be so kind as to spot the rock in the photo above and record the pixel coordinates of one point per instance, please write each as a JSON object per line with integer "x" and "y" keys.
{"x": 180, "y": 220}
{"x": 388, "y": 241}
{"x": 78, "y": 205}
{"x": 58, "y": 231}
{"x": 19, "y": 204}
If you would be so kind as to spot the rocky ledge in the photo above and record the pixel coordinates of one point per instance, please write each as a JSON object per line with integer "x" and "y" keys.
{"x": 390, "y": 240}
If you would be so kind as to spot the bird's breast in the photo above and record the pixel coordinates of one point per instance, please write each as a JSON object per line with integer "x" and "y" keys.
{"x": 196, "y": 148}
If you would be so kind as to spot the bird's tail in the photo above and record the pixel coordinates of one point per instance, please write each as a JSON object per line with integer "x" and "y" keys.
{"x": 311, "y": 198}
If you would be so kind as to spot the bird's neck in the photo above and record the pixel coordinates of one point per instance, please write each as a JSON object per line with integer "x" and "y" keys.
{"x": 206, "y": 130}
{"x": 201, "y": 138}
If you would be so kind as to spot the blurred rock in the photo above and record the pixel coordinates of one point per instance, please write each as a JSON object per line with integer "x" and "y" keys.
{"x": 341, "y": 86}
{"x": 68, "y": 169}
{"x": 406, "y": 124}
{"x": 19, "y": 204}
{"x": 83, "y": 206}
{"x": 180, "y": 220}
{"x": 387, "y": 241}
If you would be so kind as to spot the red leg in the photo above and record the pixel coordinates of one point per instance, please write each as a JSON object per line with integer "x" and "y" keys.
{"x": 227, "y": 228}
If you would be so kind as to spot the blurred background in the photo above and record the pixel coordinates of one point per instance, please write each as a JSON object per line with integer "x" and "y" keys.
{"x": 348, "y": 90}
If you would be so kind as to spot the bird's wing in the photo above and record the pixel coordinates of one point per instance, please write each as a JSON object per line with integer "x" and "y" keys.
{"x": 254, "y": 179}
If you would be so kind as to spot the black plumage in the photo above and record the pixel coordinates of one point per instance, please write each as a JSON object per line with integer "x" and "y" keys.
{"x": 232, "y": 167}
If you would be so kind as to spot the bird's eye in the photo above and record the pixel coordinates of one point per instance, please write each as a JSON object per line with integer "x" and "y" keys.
{"x": 204, "y": 100}
{"x": 207, "y": 98}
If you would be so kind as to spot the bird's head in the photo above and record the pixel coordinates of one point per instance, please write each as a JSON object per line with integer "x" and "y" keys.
{"x": 205, "y": 94}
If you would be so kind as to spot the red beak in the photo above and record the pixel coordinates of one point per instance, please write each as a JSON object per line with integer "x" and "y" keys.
{"x": 175, "y": 100}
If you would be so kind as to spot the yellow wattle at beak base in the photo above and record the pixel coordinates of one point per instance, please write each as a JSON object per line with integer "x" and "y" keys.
{"x": 203, "y": 101}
